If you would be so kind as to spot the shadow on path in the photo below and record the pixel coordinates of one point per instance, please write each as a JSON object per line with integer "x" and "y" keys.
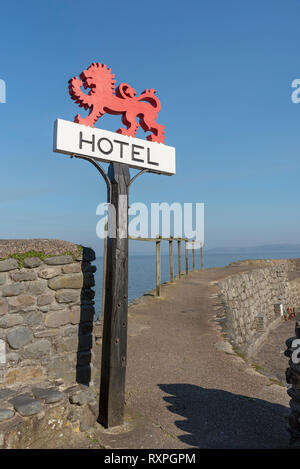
{"x": 212, "y": 418}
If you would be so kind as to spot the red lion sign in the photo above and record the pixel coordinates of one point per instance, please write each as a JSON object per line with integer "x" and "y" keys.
{"x": 104, "y": 98}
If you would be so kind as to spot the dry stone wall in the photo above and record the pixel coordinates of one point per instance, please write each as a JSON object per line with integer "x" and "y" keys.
{"x": 50, "y": 343}
{"x": 47, "y": 312}
{"x": 251, "y": 300}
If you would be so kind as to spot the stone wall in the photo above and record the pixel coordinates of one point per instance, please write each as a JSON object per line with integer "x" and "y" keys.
{"x": 50, "y": 371}
{"x": 47, "y": 312}
{"x": 251, "y": 299}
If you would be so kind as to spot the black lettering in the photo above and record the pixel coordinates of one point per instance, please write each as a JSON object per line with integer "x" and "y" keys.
{"x": 103, "y": 151}
{"x": 148, "y": 158}
{"x": 81, "y": 141}
{"x": 121, "y": 146}
{"x": 133, "y": 152}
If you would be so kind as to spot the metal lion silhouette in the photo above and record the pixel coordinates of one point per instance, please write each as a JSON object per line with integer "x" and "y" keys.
{"x": 104, "y": 98}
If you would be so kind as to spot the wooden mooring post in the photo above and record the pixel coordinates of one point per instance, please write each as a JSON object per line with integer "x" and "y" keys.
{"x": 201, "y": 255}
{"x": 193, "y": 253}
{"x": 171, "y": 260}
{"x": 158, "y": 266}
{"x": 179, "y": 257}
{"x": 186, "y": 257}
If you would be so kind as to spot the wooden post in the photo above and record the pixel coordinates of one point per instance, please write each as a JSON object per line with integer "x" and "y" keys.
{"x": 179, "y": 257}
{"x": 104, "y": 268}
{"x": 171, "y": 260}
{"x": 186, "y": 257}
{"x": 158, "y": 268}
{"x": 193, "y": 252}
{"x": 114, "y": 347}
{"x": 201, "y": 252}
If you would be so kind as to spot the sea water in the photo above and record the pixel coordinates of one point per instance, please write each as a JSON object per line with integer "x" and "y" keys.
{"x": 142, "y": 276}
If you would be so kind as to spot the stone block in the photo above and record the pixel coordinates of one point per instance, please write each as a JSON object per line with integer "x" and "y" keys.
{"x": 19, "y": 337}
{"x": 21, "y": 303}
{"x": 70, "y": 331}
{"x": 72, "y": 268}
{"x": 66, "y": 281}
{"x": 33, "y": 318}
{"x": 3, "y": 306}
{"x": 49, "y": 272}
{"x": 59, "y": 260}
{"x": 48, "y": 395}
{"x": 14, "y": 289}
{"x": 6, "y": 392}
{"x": 67, "y": 296}
{"x": 10, "y": 320}
{"x": 69, "y": 344}
{"x": 32, "y": 262}
{"x": 35, "y": 288}
{"x": 23, "y": 375}
{"x": 61, "y": 368}
{"x": 8, "y": 264}
{"x": 79, "y": 398}
{"x": 75, "y": 343}
{"x": 23, "y": 276}
{"x": 45, "y": 299}
{"x": 6, "y": 414}
{"x": 26, "y": 405}
{"x": 2, "y": 278}
{"x": 37, "y": 349}
{"x": 57, "y": 318}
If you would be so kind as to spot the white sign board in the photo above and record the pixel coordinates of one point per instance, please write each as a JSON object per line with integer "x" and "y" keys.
{"x": 78, "y": 139}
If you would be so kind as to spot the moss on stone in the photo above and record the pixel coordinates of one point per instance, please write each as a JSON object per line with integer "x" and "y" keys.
{"x": 41, "y": 255}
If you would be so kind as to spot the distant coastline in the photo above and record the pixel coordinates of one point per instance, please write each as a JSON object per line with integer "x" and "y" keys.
{"x": 264, "y": 248}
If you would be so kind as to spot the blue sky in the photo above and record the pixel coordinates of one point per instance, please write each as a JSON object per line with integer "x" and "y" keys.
{"x": 223, "y": 72}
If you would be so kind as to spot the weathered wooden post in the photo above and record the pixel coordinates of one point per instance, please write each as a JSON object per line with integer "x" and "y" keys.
{"x": 193, "y": 252}
{"x": 114, "y": 348}
{"x": 201, "y": 253}
{"x": 171, "y": 259}
{"x": 186, "y": 257}
{"x": 158, "y": 267}
{"x": 179, "y": 257}
{"x": 122, "y": 150}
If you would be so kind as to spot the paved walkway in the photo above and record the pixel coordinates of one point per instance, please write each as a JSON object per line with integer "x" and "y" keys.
{"x": 183, "y": 389}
